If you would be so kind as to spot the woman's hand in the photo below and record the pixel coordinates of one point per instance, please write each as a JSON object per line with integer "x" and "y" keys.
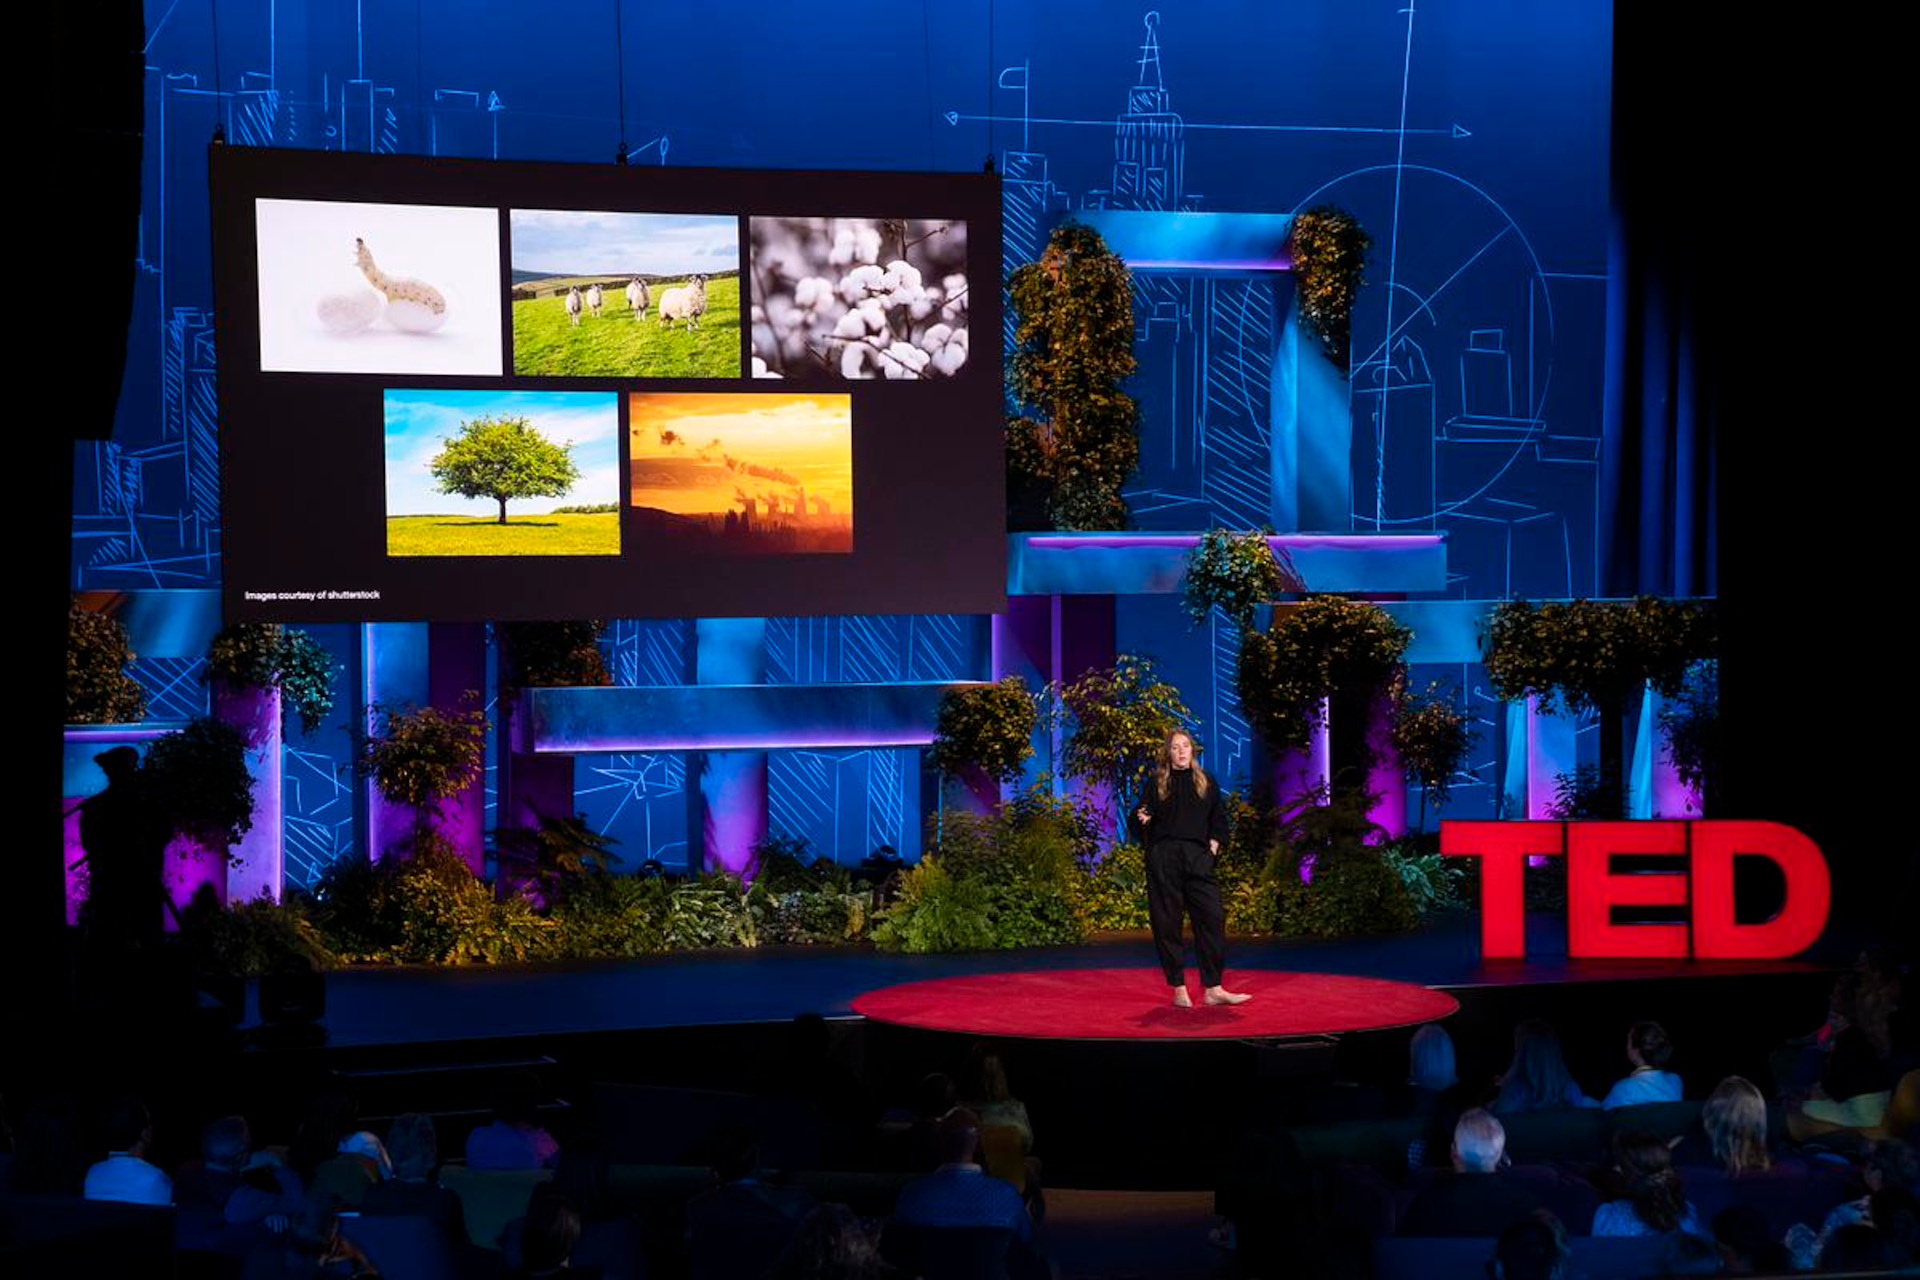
{"x": 1142, "y": 814}
{"x": 1215, "y": 846}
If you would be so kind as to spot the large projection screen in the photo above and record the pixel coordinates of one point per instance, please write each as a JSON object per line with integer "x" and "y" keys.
{"x": 461, "y": 390}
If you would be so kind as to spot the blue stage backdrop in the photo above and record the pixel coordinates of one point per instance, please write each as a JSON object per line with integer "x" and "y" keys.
{"x": 1470, "y": 140}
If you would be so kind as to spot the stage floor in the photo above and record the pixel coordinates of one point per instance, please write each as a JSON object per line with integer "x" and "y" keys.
{"x": 390, "y": 1006}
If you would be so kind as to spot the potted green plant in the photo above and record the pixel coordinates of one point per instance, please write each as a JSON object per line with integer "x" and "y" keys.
{"x": 422, "y": 758}
{"x": 1075, "y": 438}
{"x": 1595, "y": 657}
{"x": 1234, "y": 573}
{"x": 1328, "y": 249}
{"x": 1432, "y": 737}
{"x": 99, "y": 690}
{"x": 1116, "y": 720}
{"x": 983, "y": 737}
{"x": 202, "y": 795}
{"x": 258, "y": 672}
{"x": 1690, "y": 722}
{"x": 1324, "y": 661}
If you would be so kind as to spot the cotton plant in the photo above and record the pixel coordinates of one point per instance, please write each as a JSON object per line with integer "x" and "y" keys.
{"x": 863, "y": 298}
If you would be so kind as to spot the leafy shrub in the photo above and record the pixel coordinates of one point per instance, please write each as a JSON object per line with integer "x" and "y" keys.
{"x": 1235, "y": 572}
{"x": 251, "y": 939}
{"x": 1433, "y": 882}
{"x": 266, "y": 655}
{"x": 985, "y": 727}
{"x": 1324, "y": 647}
{"x": 821, "y": 915}
{"x": 1351, "y": 894}
{"x": 557, "y": 852}
{"x": 612, "y": 916}
{"x": 710, "y": 910}
{"x": 99, "y": 690}
{"x": 422, "y": 905}
{"x": 1691, "y": 722}
{"x": 1249, "y": 867}
{"x": 936, "y": 911}
{"x": 1110, "y": 891}
{"x": 1588, "y": 792}
{"x": 198, "y": 779}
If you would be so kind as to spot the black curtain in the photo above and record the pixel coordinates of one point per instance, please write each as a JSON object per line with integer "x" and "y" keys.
{"x": 1757, "y": 344}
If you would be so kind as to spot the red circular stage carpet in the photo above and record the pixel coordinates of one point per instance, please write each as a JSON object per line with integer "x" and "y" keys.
{"x": 1131, "y": 1004}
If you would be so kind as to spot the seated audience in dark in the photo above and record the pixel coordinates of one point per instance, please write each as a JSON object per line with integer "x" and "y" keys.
{"x": 1476, "y": 1197}
{"x": 1531, "y": 1247}
{"x": 959, "y": 1193}
{"x": 225, "y": 1148}
{"x": 811, "y": 1073}
{"x": 745, "y": 1224}
{"x": 832, "y": 1244}
{"x": 915, "y": 1144}
{"x": 1858, "y": 1247}
{"x": 1889, "y": 1163}
{"x": 413, "y": 1146}
{"x": 1685, "y": 1254}
{"x": 49, "y": 1154}
{"x": 1649, "y": 1051}
{"x": 1655, "y": 1202}
{"x": 547, "y": 1244}
{"x": 1895, "y": 1214}
{"x": 125, "y": 1175}
{"x": 1732, "y": 1133}
{"x": 1002, "y": 1117}
{"x": 1537, "y": 1079}
{"x": 1855, "y": 1072}
{"x": 1433, "y": 1091}
{"x": 1749, "y": 1246}
{"x": 515, "y": 1139}
{"x": 311, "y": 1246}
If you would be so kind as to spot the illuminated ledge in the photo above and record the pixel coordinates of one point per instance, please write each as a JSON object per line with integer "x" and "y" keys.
{"x": 1136, "y": 564}
{"x": 1194, "y": 243}
{"x": 723, "y": 717}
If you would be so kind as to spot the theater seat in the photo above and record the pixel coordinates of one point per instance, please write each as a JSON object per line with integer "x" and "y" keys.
{"x": 1465, "y": 1258}
{"x": 68, "y": 1236}
{"x": 1669, "y": 1120}
{"x": 491, "y": 1198}
{"x": 403, "y": 1245}
{"x": 1564, "y": 1135}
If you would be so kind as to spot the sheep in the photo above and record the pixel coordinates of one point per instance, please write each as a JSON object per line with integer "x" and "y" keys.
{"x": 638, "y": 297}
{"x": 595, "y": 299}
{"x": 573, "y": 305}
{"x": 687, "y": 303}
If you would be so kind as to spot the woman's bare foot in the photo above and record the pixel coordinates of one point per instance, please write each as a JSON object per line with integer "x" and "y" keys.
{"x": 1181, "y": 1000}
{"x": 1220, "y": 995}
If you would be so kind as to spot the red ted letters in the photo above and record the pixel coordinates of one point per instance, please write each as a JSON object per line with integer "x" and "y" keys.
{"x": 1594, "y": 889}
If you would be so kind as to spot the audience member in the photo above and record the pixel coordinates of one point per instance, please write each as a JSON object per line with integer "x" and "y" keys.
{"x": 745, "y": 1224}
{"x": 988, "y": 1096}
{"x": 1655, "y": 1202}
{"x": 343, "y": 1180}
{"x": 552, "y": 1232}
{"x": 310, "y": 1247}
{"x": 515, "y": 1139}
{"x": 1685, "y": 1254}
{"x": 1433, "y": 1090}
{"x": 914, "y": 1145}
{"x": 833, "y": 1244}
{"x": 1855, "y": 1075}
{"x": 1531, "y": 1247}
{"x": 811, "y": 1073}
{"x": 1649, "y": 1050}
{"x": 413, "y": 1146}
{"x": 1476, "y": 1197}
{"x": 1889, "y": 1163}
{"x": 207, "y": 1183}
{"x": 1537, "y": 1079}
{"x": 1858, "y": 1247}
{"x": 125, "y": 1174}
{"x": 1895, "y": 1214}
{"x": 959, "y": 1193}
{"x": 1732, "y": 1134}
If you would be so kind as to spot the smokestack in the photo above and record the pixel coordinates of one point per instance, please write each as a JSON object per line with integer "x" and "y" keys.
{"x": 800, "y": 503}
{"x": 820, "y": 507}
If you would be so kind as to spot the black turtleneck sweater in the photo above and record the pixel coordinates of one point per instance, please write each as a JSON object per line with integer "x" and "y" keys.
{"x": 1182, "y": 815}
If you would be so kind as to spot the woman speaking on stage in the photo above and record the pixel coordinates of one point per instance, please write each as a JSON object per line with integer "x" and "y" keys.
{"x": 1182, "y": 820}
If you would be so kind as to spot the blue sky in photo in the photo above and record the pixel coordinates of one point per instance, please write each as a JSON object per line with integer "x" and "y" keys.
{"x": 419, "y": 423}
{"x": 568, "y": 242}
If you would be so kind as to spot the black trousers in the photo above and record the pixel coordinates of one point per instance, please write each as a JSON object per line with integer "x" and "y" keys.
{"x": 1180, "y": 880}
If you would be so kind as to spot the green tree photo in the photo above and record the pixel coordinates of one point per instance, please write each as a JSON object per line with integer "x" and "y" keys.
{"x": 503, "y": 458}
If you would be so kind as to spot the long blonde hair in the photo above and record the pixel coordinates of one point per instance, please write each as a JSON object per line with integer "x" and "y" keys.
{"x": 1163, "y": 771}
{"x": 1735, "y": 1118}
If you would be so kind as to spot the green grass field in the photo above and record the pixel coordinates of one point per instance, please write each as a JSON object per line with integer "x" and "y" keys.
{"x": 546, "y": 343}
{"x": 556, "y": 535}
